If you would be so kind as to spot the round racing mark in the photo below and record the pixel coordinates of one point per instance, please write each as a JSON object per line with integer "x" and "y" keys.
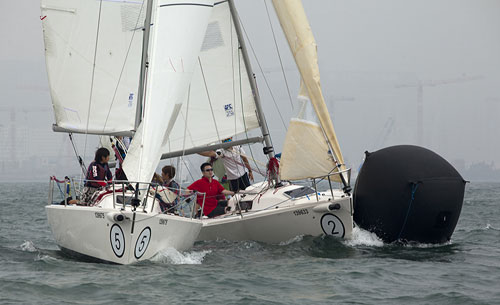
{"x": 142, "y": 242}
{"x": 117, "y": 240}
{"x": 332, "y": 225}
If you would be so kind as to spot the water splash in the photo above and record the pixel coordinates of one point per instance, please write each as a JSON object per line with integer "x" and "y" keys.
{"x": 426, "y": 245}
{"x": 28, "y": 246}
{"x": 45, "y": 258}
{"x": 490, "y": 227}
{"x": 292, "y": 240}
{"x": 172, "y": 256}
{"x": 362, "y": 237}
{"x": 477, "y": 228}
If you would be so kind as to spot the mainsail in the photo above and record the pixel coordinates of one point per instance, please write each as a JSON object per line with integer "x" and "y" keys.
{"x": 220, "y": 102}
{"x": 198, "y": 89}
{"x": 93, "y": 55}
{"x": 176, "y": 38}
{"x": 298, "y": 32}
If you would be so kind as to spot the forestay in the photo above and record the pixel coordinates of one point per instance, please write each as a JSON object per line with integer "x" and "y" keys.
{"x": 176, "y": 38}
{"x": 93, "y": 55}
{"x": 220, "y": 103}
{"x": 298, "y": 32}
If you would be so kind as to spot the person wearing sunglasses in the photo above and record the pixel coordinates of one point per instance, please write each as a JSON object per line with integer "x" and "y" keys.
{"x": 238, "y": 170}
{"x": 212, "y": 189}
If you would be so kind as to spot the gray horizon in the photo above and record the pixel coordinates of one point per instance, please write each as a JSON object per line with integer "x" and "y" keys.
{"x": 372, "y": 55}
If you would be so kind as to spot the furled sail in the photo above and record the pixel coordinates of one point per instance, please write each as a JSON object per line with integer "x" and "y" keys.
{"x": 176, "y": 38}
{"x": 298, "y": 32}
{"x": 93, "y": 55}
{"x": 220, "y": 103}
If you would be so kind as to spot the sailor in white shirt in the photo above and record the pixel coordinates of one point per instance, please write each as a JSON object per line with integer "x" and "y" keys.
{"x": 236, "y": 165}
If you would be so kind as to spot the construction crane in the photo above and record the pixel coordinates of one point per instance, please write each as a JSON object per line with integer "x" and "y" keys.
{"x": 25, "y": 109}
{"x": 332, "y": 101}
{"x": 385, "y": 132}
{"x": 420, "y": 84}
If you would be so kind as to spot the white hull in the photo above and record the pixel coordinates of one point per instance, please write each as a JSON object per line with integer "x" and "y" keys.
{"x": 276, "y": 218}
{"x": 94, "y": 232}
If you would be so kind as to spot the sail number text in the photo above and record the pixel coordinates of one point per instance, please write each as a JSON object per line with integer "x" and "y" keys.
{"x": 300, "y": 212}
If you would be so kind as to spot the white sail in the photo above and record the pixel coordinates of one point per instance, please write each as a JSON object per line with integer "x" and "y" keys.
{"x": 301, "y": 41}
{"x": 305, "y": 154}
{"x": 176, "y": 38}
{"x": 220, "y": 103}
{"x": 93, "y": 55}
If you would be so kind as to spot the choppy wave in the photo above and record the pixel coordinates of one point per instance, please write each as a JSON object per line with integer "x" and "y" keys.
{"x": 302, "y": 270}
{"x": 292, "y": 240}
{"x": 425, "y": 246}
{"x": 45, "y": 258}
{"x": 172, "y": 256}
{"x": 28, "y": 246}
{"x": 490, "y": 227}
{"x": 362, "y": 237}
{"x": 477, "y": 228}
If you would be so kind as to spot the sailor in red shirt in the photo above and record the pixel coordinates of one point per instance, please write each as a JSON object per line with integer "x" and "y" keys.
{"x": 211, "y": 188}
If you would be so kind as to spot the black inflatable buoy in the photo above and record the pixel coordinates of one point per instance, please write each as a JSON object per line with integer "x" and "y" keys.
{"x": 408, "y": 193}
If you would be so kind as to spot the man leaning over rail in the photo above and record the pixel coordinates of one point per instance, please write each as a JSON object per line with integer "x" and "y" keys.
{"x": 235, "y": 163}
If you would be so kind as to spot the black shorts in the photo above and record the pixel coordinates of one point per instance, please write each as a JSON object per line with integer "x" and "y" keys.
{"x": 220, "y": 209}
{"x": 239, "y": 184}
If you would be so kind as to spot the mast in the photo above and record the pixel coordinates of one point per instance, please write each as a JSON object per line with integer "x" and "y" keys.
{"x": 144, "y": 62}
{"x": 268, "y": 149}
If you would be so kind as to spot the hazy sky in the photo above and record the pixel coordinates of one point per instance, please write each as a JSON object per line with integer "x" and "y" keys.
{"x": 366, "y": 49}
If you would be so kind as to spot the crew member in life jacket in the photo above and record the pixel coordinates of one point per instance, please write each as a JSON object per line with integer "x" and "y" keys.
{"x": 167, "y": 192}
{"x": 98, "y": 175}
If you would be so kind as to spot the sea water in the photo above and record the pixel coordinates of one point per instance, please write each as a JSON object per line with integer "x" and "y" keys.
{"x": 303, "y": 270}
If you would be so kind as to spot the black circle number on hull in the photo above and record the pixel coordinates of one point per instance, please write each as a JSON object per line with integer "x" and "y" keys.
{"x": 332, "y": 225}
{"x": 142, "y": 242}
{"x": 117, "y": 240}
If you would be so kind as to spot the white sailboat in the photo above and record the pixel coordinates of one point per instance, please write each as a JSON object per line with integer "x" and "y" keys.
{"x": 122, "y": 68}
{"x": 179, "y": 87}
{"x": 223, "y": 102}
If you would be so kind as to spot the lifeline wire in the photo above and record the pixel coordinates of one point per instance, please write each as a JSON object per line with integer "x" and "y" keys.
{"x": 184, "y": 137}
{"x": 232, "y": 68}
{"x": 123, "y": 68}
{"x": 80, "y": 160}
{"x": 279, "y": 55}
{"x": 240, "y": 91}
{"x": 92, "y": 82}
{"x": 413, "y": 190}
{"x": 255, "y": 81}
{"x": 243, "y": 113}
{"x": 209, "y": 101}
{"x": 263, "y": 75}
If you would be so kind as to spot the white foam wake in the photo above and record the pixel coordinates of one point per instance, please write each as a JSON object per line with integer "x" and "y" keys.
{"x": 490, "y": 227}
{"x": 362, "y": 237}
{"x": 45, "y": 258}
{"x": 426, "y": 246}
{"x": 292, "y": 240}
{"x": 28, "y": 246}
{"x": 172, "y": 256}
